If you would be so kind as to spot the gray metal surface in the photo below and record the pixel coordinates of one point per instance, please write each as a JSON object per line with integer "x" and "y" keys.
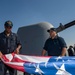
{"x": 63, "y": 27}
{"x": 33, "y": 37}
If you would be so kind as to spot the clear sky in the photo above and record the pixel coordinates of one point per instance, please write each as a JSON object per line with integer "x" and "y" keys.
{"x": 26, "y": 12}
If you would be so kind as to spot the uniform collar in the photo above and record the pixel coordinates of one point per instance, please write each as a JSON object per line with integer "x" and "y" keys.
{"x": 55, "y": 37}
{"x": 5, "y": 33}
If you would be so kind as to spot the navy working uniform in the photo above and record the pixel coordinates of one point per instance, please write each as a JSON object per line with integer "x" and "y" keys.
{"x": 54, "y": 46}
{"x": 7, "y": 45}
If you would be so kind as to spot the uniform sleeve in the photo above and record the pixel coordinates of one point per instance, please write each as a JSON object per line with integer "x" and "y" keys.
{"x": 62, "y": 42}
{"x": 18, "y": 42}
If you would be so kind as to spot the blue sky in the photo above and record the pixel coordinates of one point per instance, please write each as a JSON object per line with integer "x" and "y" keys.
{"x": 26, "y": 12}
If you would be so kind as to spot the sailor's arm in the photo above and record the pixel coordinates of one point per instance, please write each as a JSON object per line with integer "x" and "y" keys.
{"x": 43, "y": 52}
{"x": 0, "y": 54}
{"x": 63, "y": 53}
{"x": 18, "y": 49}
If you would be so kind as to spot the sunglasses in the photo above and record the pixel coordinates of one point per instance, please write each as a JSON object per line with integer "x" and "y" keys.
{"x": 9, "y": 27}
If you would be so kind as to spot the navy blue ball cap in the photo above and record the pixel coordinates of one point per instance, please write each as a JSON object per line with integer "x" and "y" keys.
{"x": 8, "y": 24}
{"x": 52, "y": 29}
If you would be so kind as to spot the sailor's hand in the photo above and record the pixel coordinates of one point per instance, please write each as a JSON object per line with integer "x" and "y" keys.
{"x": 17, "y": 51}
{"x": 1, "y": 54}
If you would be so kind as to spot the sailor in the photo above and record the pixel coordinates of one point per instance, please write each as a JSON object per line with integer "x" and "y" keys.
{"x": 55, "y": 45}
{"x": 9, "y": 43}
